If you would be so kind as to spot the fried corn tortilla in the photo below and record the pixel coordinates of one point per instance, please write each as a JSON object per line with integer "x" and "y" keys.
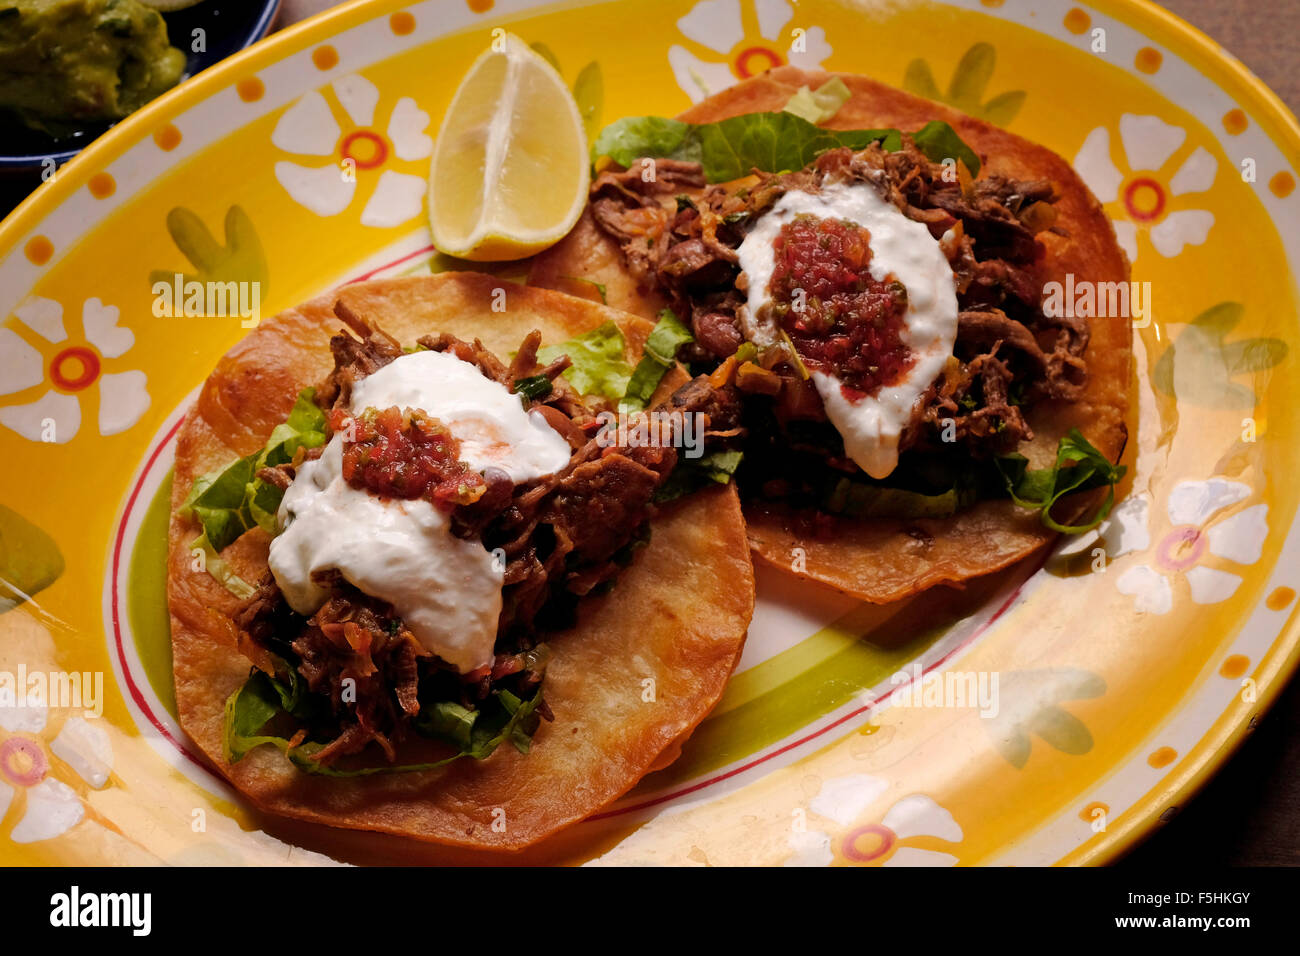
{"x": 883, "y": 560}
{"x": 677, "y": 615}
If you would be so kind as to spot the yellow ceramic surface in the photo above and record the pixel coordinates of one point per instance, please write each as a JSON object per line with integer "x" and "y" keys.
{"x": 1127, "y": 665}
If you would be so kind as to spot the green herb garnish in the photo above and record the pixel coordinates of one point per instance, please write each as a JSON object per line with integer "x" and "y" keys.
{"x": 533, "y": 387}
{"x": 1079, "y": 467}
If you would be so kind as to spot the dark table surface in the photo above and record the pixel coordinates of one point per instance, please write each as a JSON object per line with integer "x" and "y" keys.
{"x": 1249, "y": 814}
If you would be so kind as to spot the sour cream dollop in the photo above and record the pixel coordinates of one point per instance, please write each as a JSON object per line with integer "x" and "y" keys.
{"x": 446, "y": 589}
{"x": 870, "y": 425}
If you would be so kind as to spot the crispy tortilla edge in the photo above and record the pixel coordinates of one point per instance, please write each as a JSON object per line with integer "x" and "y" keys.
{"x": 647, "y": 623}
{"x": 887, "y": 560}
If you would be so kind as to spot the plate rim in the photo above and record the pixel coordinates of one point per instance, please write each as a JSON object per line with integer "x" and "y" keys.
{"x": 1205, "y": 55}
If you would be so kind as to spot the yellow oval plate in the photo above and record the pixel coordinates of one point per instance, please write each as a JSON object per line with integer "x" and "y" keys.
{"x": 1050, "y": 714}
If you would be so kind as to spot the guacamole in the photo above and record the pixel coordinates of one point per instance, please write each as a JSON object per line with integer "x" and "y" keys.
{"x": 66, "y": 64}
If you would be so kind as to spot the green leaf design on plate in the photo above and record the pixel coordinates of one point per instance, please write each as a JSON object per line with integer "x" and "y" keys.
{"x": 1030, "y": 705}
{"x": 508, "y": 270}
{"x": 547, "y": 54}
{"x": 240, "y": 259}
{"x": 588, "y": 88}
{"x": 589, "y": 91}
{"x": 30, "y": 561}
{"x": 918, "y": 79}
{"x": 970, "y": 80}
{"x": 1198, "y": 367}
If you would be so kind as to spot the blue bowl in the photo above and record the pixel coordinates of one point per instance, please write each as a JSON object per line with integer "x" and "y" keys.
{"x": 230, "y": 26}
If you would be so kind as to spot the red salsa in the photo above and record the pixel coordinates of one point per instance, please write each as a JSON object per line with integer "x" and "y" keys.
{"x": 403, "y": 453}
{"x": 850, "y": 324}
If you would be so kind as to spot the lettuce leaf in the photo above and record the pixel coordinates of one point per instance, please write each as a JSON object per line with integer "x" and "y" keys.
{"x": 228, "y": 502}
{"x": 248, "y": 710}
{"x": 772, "y": 142}
{"x": 953, "y": 487}
{"x": 479, "y": 732}
{"x": 216, "y": 566}
{"x": 1079, "y": 467}
{"x": 939, "y": 141}
{"x": 860, "y": 500}
{"x": 819, "y": 105}
{"x": 660, "y": 355}
{"x": 599, "y": 366}
{"x": 692, "y": 474}
{"x": 475, "y": 733}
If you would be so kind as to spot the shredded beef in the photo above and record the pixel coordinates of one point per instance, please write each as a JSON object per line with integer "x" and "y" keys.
{"x": 353, "y": 638}
{"x": 680, "y": 237}
{"x": 279, "y": 475}
{"x": 563, "y": 535}
{"x": 354, "y": 358}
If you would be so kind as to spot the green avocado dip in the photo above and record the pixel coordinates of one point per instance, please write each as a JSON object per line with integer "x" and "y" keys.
{"x": 65, "y": 64}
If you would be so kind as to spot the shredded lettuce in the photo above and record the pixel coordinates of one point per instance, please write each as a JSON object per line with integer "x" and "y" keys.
{"x": 228, "y": 502}
{"x": 819, "y": 105}
{"x": 660, "y": 355}
{"x": 860, "y": 500}
{"x": 1079, "y": 467}
{"x": 939, "y": 141}
{"x": 475, "y": 733}
{"x": 216, "y": 566}
{"x": 599, "y": 366}
{"x": 479, "y": 732}
{"x": 691, "y": 474}
{"x": 257, "y": 703}
{"x": 773, "y": 142}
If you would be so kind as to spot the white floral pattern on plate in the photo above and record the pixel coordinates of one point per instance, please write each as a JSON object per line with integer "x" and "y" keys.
{"x": 52, "y": 807}
{"x": 887, "y": 842}
{"x": 76, "y": 365}
{"x": 1181, "y": 551}
{"x": 1142, "y": 191}
{"x": 736, "y": 39}
{"x": 358, "y": 149}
